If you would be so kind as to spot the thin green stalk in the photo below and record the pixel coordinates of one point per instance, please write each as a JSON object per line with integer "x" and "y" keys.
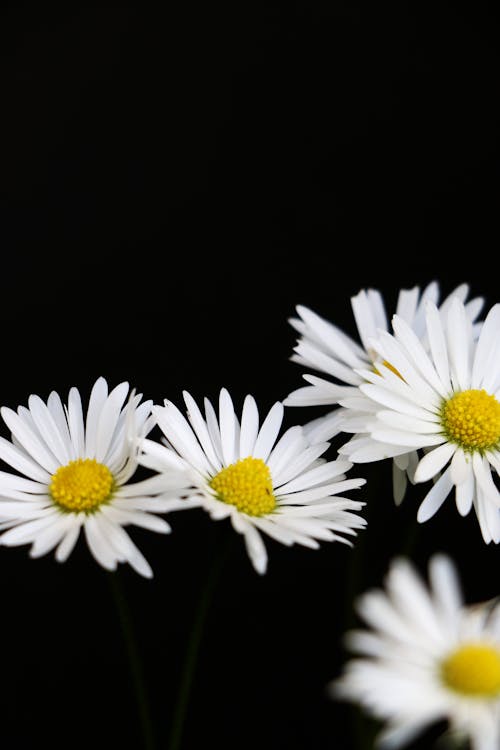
{"x": 192, "y": 650}
{"x": 134, "y": 660}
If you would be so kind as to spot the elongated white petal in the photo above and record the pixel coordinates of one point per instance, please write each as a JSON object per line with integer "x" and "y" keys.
{"x": 227, "y": 425}
{"x": 98, "y": 544}
{"x": 268, "y": 432}
{"x": 432, "y": 463}
{"x": 483, "y": 476}
{"x": 288, "y": 447}
{"x": 435, "y": 497}
{"x": 76, "y": 423}
{"x": 464, "y": 493}
{"x": 48, "y": 429}
{"x": 49, "y": 537}
{"x": 461, "y": 466}
{"x": 29, "y": 440}
{"x": 327, "y": 333}
{"x": 317, "y": 475}
{"x": 67, "y": 544}
{"x": 19, "y": 460}
{"x": 97, "y": 399}
{"x": 459, "y": 351}
{"x": 249, "y": 427}
{"x": 108, "y": 420}
{"x": 408, "y": 439}
{"x": 200, "y": 428}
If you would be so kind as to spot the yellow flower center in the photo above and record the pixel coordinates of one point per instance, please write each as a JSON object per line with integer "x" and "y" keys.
{"x": 81, "y": 486}
{"x": 247, "y": 484}
{"x": 474, "y": 669}
{"x": 472, "y": 419}
{"x": 389, "y": 367}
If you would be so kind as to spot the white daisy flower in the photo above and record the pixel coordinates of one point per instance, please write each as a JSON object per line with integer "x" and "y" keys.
{"x": 238, "y": 471}
{"x": 445, "y": 402}
{"x": 425, "y": 658}
{"x": 324, "y": 347}
{"x": 73, "y": 474}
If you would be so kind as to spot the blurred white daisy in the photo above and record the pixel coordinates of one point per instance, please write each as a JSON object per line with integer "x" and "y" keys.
{"x": 446, "y": 402}
{"x": 424, "y": 658}
{"x": 282, "y": 488}
{"x": 324, "y": 347}
{"x": 73, "y": 474}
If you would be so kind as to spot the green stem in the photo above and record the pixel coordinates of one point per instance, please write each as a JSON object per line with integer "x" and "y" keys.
{"x": 192, "y": 651}
{"x": 134, "y": 660}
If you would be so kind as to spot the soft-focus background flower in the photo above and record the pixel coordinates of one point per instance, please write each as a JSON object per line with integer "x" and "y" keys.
{"x": 174, "y": 183}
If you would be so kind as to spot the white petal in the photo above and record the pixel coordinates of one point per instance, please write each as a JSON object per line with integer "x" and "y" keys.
{"x": 97, "y": 400}
{"x": 483, "y": 476}
{"x": 18, "y": 459}
{"x": 108, "y": 420}
{"x": 432, "y": 463}
{"x": 48, "y": 429}
{"x": 124, "y": 546}
{"x": 179, "y": 433}
{"x": 399, "y": 483}
{"x": 253, "y": 542}
{"x": 417, "y": 353}
{"x": 52, "y": 535}
{"x": 136, "y": 518}
{"x": 58, "y": 412}
{"x": 437, "y": 344}
{"x": 98, "y": 544}
{"x": 300, "y": 462}
{"x": 408, "y": 439}
{"x": 317, "y": 475}
{"x": 459, "y": 338}
{"x": 409, "y": 423}
{"x": 249, "y": 427}
{"x": 75, "y": 423}
{"x": 366, "y": 322}
{"x": 67, "y": 545}
{"x": 325, "y": 428}
{"x": 464, "y": 493}
{"x": 200, "y": 428}
{"x": 269, "y": 431}
{"x": 435, "y": 497}
{"x": 393, "y": 400}
{"x": 289, "y": 446}
{"x": 213, "y": 428}
{"x": 326, "y": 363}
{"x": 446, "y": 587}
{"x": 227, "y": 425}
{"x": 29, "y": 440}
{"x": 461, "y": 467}
{"x": 487, "y": 342}
{"x": 339, "y": 345}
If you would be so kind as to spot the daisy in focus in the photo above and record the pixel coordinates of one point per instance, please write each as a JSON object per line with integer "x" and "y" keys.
{"x": 324, "y": 347}
{"x": 243, "y": 472}
{"x": 445, "y": 402}
{"x": 424, "y": 658}
{"x": 73, "y": 475}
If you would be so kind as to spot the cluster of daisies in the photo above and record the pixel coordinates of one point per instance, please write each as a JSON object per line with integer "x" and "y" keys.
{"x": 421, "y": 389}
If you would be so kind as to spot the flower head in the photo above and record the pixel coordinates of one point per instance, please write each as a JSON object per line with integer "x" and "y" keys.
{"x": 444, "y": 402}
{"x": 324, "y": 347}
{"x": 241, "y": 471}
{"x": 73, "y": 473}
{"x": 425, "y": 657}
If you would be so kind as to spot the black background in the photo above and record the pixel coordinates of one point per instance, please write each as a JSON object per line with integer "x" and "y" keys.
{"x": 173, "y": 183}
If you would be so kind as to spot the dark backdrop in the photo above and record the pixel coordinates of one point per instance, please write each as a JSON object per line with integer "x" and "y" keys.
{"x": 173, "y": 184}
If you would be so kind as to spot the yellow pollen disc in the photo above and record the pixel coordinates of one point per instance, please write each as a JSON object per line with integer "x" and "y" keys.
{"x": 472, "y": 419}
{"x": 81, "y": 485}
{"x": 474, "y": 669}
{"x": 389, "y": 367}
{"x": 247, "y": 484}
